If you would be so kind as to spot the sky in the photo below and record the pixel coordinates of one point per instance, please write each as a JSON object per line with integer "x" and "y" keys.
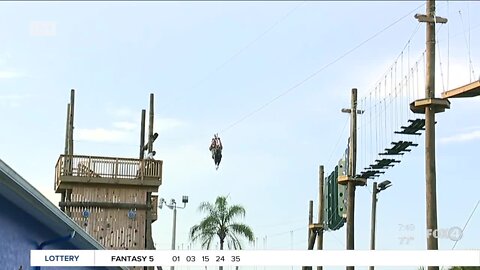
{"x": 271, "y": 78}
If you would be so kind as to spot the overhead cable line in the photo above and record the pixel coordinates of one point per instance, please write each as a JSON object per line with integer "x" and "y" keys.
{"x": 239, "y": 52}
{"x": 317, "y": 72}
{"x": 466, "y": 223}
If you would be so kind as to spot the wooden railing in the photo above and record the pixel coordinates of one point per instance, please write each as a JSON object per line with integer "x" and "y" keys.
{"x": 107, "y": 167}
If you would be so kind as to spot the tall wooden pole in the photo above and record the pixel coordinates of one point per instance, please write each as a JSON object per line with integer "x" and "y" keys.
{"x": 431, "y": 181}
{"x": 351, "y": 184}
{"x": 321, "y": 207}
{"x": 430, "y": 105}
{"x": 311, "y": 233}
{"x": 149, "y": 237}
{"x": 69, "y": 159}
{"x": 72, "y": 110}
{"x": 142, "y": 135}
{"x": 150, "y": 125}
{"x": 373, "y": 218}
{"x": 310, "y": 217}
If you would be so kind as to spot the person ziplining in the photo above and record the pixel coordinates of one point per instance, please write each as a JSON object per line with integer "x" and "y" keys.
{"x": 216, "y": 148}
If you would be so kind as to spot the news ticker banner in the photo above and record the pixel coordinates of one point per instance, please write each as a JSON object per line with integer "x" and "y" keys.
{"x": 72, "y": 258}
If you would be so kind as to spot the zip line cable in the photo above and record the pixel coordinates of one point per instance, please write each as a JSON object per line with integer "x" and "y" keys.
{"x": 235, "y": 55}
{"x": 338, "y": 141}
{"x": 248, "y": 115}
{"x": 466, "y": 223}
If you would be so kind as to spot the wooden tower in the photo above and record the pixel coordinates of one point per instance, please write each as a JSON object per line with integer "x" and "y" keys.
{"x": 110, "y": 197}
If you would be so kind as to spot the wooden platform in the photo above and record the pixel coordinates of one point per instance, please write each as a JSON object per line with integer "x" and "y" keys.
{"x": 93, "y": 170}
{"x": 344, "y": 179}
{"x": 315, "y": 226}
{"x": 468, "y": 90}
{"x": 437, "y": 104}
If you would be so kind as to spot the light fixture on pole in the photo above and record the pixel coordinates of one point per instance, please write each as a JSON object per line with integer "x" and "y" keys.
{"x": 376, "y": 189}
{"x": 173, "y": 206}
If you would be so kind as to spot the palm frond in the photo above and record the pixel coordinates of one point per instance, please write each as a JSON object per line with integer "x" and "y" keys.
{"x": 233, "y": 212}
{"x": 243, "y": 230}
{"x": 206, "y": 207}
{"x": 234, "y": 242}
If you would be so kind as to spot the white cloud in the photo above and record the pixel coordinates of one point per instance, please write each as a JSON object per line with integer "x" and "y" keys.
{"x": 13, "y": 97}
{"x": 125, "y": 125}
{"x": 122, "y": 112}
{"x": 164, "y": 124}
{"x": 101, "y": 135}
{"x": 4, "y": 74}
{"x": 129, "y": 120}
{"x": 463, "y": 137}
{"x": 43, "y": 28}
{"x": 13, "y": 100}
{"x": 123, "y": 131}
{"x": 471, "y": 128}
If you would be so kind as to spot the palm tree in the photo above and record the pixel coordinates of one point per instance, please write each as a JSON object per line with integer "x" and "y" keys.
{"x": 221, "y": 221}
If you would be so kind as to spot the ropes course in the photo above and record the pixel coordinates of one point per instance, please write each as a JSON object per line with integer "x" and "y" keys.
{"x": 389, "y": 130}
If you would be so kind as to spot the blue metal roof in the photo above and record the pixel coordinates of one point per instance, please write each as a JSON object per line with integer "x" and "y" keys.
{"x": 17, "y": 190}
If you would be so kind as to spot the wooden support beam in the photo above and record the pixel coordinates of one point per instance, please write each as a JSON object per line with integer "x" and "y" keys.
{"x": 430, "y": 19}
{"x": 106, "y": 205}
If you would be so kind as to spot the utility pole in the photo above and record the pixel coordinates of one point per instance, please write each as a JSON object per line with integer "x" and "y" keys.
{"x": 431, "y": 181}
{"x": 350, "y": 179}
{"x": 430, "y": 105}
{"x": 351, "y": 185}
{"x": 321, "y": 207}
